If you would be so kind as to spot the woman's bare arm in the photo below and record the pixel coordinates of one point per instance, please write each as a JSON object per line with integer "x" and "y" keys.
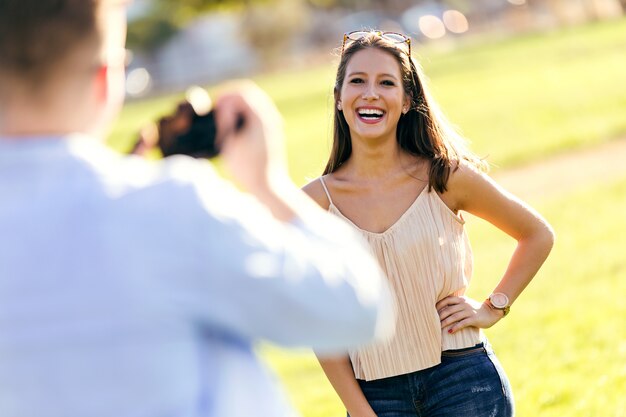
{"x": 339, "y": 372}
{"x": 476, "y": 193}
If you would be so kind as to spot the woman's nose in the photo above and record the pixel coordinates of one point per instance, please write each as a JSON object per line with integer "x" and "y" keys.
{"x": 370, "y": 93}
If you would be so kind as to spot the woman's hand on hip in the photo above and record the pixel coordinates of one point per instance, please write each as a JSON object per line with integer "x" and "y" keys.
{"x": 457, "y": 313}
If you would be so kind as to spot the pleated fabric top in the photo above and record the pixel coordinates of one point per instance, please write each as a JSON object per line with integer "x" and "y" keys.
{"x": 426, "y": 256}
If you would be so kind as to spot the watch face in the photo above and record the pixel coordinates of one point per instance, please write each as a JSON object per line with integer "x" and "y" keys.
{"x": 499, "y": 300}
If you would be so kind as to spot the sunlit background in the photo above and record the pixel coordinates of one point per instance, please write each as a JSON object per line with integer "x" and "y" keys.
{"x": 537, "y": 86}
{"x": 177, "y": 43}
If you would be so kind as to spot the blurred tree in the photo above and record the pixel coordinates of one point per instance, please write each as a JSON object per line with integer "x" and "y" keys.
{"x": 268, "y": 25}
{"x": 270, "y": 28}
{"x": 388, "y": 5}
{"x": 164, "y": 18}
{"x": 150, "y": 31}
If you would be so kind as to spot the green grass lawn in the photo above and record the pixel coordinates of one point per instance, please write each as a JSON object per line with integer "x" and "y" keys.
{"x": 563, "y": 344}
{"x": 517, "y": 99}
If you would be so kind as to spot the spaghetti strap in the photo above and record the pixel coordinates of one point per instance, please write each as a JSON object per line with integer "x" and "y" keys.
{"x": 326, "y": 191}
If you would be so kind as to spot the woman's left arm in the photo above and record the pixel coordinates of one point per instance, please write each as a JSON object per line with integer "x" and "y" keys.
{"x": 474, "y": 192}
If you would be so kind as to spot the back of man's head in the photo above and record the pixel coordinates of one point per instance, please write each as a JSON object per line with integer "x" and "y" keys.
{"x": 56, "y": 61}
{"x": 37, "y": 37}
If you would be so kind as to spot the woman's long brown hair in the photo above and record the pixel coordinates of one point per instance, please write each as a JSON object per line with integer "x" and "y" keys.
{"x": 423, "y": 131}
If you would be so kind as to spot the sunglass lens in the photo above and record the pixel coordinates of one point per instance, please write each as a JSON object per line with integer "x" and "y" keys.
{"x": 395, "y": 37}
{"x": 355, "y": 36}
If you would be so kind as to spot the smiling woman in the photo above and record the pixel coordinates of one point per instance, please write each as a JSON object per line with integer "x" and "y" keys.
{"x": 400, "y": 175}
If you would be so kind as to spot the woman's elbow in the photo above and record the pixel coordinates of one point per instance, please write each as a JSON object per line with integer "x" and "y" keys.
{"x": 546, "y": 237}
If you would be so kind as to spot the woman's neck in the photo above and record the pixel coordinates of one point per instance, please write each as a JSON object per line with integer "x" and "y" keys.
{"x": 376, "y": 160}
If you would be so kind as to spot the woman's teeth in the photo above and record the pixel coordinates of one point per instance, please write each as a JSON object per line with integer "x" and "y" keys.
{"x": 370, "y": 113}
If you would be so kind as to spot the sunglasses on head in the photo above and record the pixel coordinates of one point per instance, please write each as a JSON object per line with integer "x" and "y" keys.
{"x": 393, "y": 37}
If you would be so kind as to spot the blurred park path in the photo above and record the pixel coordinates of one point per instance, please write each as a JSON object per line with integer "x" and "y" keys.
{"x": 553, "y": 177}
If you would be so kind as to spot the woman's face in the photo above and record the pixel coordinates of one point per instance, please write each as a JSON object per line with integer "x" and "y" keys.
{"x": 372, "y": 96}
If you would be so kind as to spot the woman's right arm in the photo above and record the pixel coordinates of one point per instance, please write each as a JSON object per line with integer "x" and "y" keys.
{"x": 338, "y": 369}
{"x": 339, "y": 372}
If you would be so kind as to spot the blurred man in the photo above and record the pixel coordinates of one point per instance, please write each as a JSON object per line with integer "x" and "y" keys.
{"x": 135, "y": 288}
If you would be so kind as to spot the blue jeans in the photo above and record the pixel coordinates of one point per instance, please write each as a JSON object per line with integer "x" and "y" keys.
{"x": 468, "y": 383}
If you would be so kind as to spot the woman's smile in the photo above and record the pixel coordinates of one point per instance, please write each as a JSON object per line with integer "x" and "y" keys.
{"x": 370, "y": 114}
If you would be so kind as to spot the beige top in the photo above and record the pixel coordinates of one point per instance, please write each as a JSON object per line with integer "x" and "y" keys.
{"x": 426, "y": 256}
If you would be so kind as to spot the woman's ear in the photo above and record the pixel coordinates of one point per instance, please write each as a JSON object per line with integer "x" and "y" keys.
{"x": 338, "y": 100}
{"x": 406, "y": 105}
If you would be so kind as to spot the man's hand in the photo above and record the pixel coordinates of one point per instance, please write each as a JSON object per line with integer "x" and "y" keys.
{"x": 254, "y": 151}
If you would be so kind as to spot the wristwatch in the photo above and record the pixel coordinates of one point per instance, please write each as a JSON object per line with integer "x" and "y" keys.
{"x": 499, "y": 301}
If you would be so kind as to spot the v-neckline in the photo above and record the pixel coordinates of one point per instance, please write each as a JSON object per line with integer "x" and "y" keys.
{"x": 393, "y": 225}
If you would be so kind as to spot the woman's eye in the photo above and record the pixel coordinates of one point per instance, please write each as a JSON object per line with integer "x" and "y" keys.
{"x": 356, "y": 81}
{"x": 388, "y": 83}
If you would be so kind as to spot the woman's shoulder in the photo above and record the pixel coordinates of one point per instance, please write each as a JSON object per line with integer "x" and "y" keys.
{"x": 315, "y": 190}
{"x": 463, "y": 178}
{"x": 463, "y": 171}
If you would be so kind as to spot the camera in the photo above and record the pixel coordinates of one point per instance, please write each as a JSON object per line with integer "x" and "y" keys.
{"x": 191, "y": 130}
{"x": 197, "y": 139}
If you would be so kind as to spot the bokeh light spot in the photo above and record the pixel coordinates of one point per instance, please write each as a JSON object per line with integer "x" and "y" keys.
{"x": 138, "y": 82}
{"x": 455, "y": 21}
{"x": 432, "y": 27}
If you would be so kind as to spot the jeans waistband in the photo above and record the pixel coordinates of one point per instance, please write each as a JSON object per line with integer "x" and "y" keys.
{"x": 465, "y": 351}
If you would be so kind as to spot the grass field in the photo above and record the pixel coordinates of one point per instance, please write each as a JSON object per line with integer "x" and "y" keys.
{"x": 518, "y": 100}
{"x": 563, "y": 345}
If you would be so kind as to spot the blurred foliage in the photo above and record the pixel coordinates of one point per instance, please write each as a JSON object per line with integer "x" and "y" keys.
{"x": 269, "y": 27}
{"x": 151, "y": 31}
{"x": 266, "y": 22}
{"x": 165, "y": 18}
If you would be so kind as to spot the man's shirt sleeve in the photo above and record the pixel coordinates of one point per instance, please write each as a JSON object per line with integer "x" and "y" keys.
{"x": 311, "y": 282}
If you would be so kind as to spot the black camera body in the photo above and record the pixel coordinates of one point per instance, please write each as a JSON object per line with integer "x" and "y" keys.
{"x": 198, "y": 140}
{"x": 192, "y": 129}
